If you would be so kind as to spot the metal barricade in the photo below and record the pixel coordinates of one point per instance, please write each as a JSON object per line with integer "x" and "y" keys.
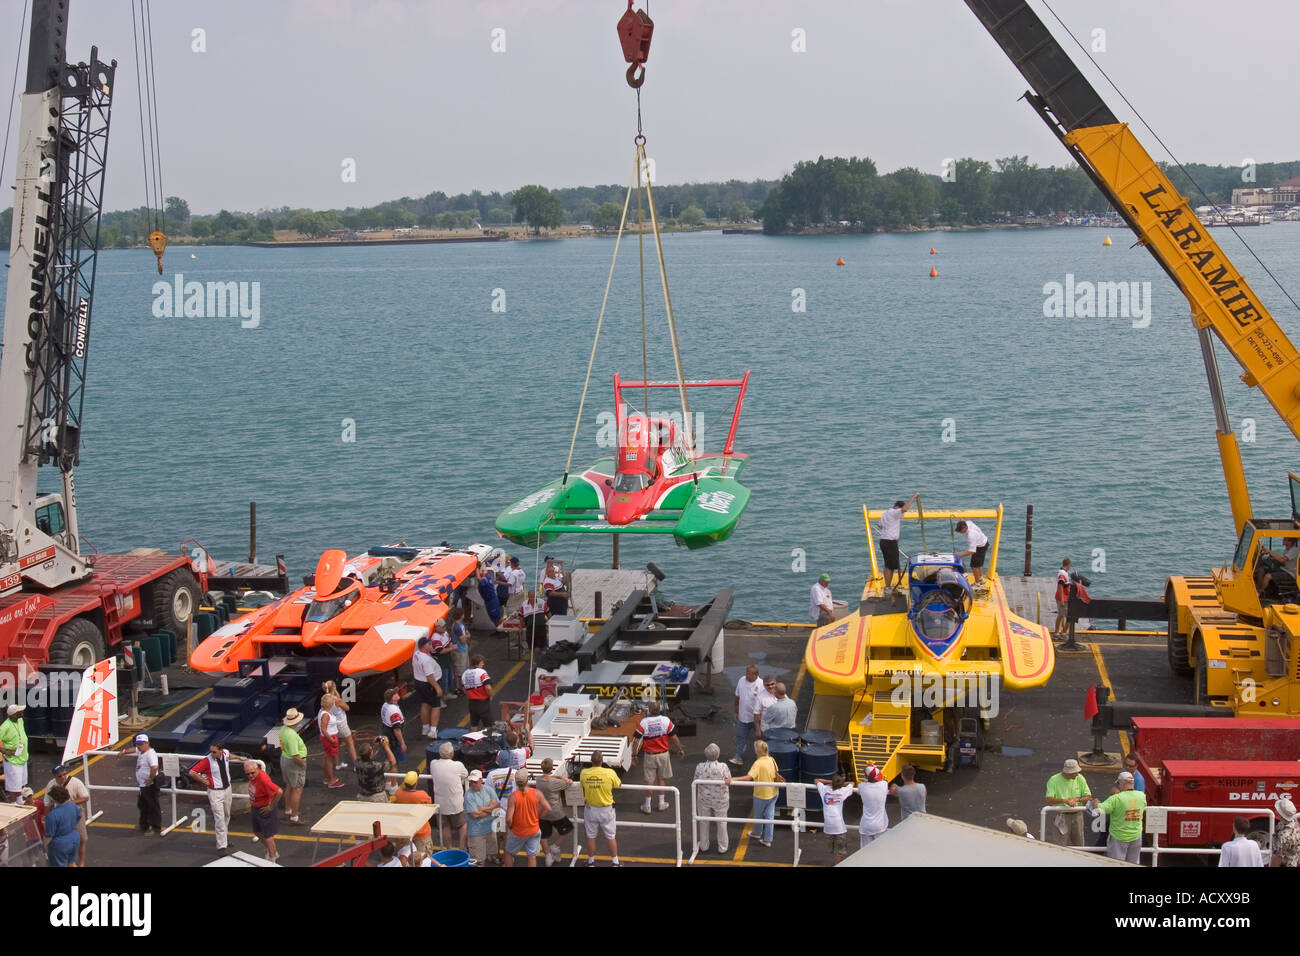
{"x": 172, "y": 789}
{"x": 1155, "y": 849}
{"x": 675, "y": 826}
{"x": 798, "y": 822}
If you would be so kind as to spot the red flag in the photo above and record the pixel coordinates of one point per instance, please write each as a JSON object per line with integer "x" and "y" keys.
{"x": 1090, "y": 708}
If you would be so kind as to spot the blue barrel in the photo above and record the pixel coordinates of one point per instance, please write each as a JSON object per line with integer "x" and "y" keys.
{"x": 781, "y": 733}
{"x": 205, "y": 622}
{"x": 819, "y": 738}
{"x": 786, "y": 755}
{"x": 452, "y": 857}
{"x": 167, "y": 646}
{"x": 37, "y": 720}
{"x": 817, "y": 760}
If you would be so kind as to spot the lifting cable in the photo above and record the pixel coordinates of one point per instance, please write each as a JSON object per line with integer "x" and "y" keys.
{"x": 147, "y": 105}
{"x": 13, "y": 91}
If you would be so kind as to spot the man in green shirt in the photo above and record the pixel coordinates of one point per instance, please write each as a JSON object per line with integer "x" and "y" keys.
{"x": 13, "y": 745}
{"x": 1067, "y": 789}
{"x": 1124, "y": 809}
{"x": 293, "y": 763}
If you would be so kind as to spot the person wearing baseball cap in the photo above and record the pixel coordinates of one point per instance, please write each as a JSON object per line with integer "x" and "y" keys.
{"x": 1124, "y": 810}
{"x": 873, "y": 790}
{"x": 820, "y": 607}
{"x": 480, "y": 803}
{"x": 411, "y": 792}
{"x": 1067, "y": 789}
{"x": 146, "y": 778}
{"x": 13, "y": 746}
{"x": 293, "y": 764}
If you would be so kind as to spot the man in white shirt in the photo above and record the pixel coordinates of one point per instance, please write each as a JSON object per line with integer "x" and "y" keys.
{"x": 820, "y": 606}
{"x": 428, "y": 690}
{"x": 449, "y": 781}
{"x": 977, "y": 545}
{"x": 873, "y": 791}
{"x": 1240, "y": 851}
{"x": 833, "y": 793}
{"x": 749, "y": 690}
{"x": 891, "y": 527}
{"x": 517, "y": 580}
{"x": 146, "y": 778}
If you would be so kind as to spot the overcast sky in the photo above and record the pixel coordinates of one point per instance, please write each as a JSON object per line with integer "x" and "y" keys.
{"x": 412, "y": 90}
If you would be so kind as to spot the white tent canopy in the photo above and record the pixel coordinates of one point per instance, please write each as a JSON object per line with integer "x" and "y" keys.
{"x": 926, "y": 840}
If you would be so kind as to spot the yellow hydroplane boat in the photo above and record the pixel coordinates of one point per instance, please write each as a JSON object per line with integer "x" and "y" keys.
{"x": 914, "y": 675}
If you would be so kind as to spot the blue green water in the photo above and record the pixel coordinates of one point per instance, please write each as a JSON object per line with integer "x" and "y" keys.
{"x": 1107, "y": 430}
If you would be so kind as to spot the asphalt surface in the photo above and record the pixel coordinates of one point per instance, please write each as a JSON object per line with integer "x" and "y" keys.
{"x": 1034, "y": 733}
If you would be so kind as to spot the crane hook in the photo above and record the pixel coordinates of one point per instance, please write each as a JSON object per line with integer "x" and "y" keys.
{"x": 158, "y": 242}
{"x": 634, "y": 32}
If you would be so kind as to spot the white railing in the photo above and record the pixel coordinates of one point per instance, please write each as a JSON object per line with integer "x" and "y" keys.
{"x": 798, "y": 822}
{"x": 173, "y": 790}
{"x": 579, "y": 833}
{"x": 1155, "y": 849}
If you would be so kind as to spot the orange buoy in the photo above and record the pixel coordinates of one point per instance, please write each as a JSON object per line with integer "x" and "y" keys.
{"x": 934, "y": 273}
{"x": 839, "y": 262}
{"x": 932, "y": 252}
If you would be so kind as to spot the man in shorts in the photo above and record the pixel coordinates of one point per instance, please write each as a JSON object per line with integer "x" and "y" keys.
{"x": 977, "y": 545}
{"x": 13, "y": 745}
{"x": 428, "y": 690}
{"x": 264, "y": 795}
{"x": 598, "y": 786}
{"x": 480, "y": 805}
{"x": 293, "y": 763}
{"x": 833, "y": 793}
{"x": 524, "y": 815}
{"x": 411, "y": 792}
{"x": 891, "y": 526}
{"x": 449, "y": 776}
{"x": 653, "y": 737}
{"x": 554, "y": 822}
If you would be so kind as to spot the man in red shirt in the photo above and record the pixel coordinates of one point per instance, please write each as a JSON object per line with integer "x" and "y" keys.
{"x": 264, "y": 796}
{"x": 653, "y": 736}
{"x": 213, "y": 771}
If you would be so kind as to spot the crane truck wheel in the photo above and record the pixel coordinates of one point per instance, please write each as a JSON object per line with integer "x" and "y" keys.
{"x": 175, "y": 599}
{"x": 79, "y": 642}
{"x": 1176, "y": 642}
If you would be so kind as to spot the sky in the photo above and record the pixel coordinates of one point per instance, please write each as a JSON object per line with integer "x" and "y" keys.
{"x": 413, "y": 91}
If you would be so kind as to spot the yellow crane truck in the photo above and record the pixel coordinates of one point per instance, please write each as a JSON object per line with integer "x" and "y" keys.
{"x": 1236, "y": 629}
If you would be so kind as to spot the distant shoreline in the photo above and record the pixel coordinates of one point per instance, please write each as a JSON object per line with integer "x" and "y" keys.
{"x": 300, "y": 243}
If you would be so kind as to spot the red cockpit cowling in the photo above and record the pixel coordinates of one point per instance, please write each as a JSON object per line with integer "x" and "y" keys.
{"x": 638, "y": 467}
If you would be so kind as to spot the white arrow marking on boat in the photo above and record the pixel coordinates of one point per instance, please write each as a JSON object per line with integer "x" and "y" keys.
{"x": 400, "y": 631}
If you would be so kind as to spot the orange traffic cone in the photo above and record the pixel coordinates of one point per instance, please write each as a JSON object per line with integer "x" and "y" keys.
{"x": 934, "y": 273}
{"x": 839, "y": 262}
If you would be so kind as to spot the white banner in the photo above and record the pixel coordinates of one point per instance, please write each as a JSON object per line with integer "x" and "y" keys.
{"x": 94, "y": 719}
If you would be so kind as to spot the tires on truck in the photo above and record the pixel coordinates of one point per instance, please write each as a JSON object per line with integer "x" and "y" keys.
{"x": 78, "y": 642}
{"x": 175, "y": 599}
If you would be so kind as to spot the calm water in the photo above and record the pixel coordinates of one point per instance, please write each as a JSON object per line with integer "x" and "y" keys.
{"x": 1107, "y": 430}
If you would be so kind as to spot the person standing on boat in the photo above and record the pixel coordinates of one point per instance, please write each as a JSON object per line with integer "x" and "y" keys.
{"x": 821, "y": 608}
{"x": 977, "y": 545}
{"x": 557, "y": 598}
{"x": 891, "y": 528}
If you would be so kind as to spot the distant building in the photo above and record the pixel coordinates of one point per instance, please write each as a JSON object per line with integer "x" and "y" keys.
{"x": 1286, "y": 193}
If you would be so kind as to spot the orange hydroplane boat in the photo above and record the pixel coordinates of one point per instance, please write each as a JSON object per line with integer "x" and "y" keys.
{"x": 370, "y": 609}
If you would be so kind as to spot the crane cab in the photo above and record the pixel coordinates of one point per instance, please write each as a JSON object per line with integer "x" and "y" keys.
{"x": 51, "y": 517}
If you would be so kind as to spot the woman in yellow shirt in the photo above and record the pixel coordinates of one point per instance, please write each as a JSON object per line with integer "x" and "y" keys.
{"x": 764, "y": 771}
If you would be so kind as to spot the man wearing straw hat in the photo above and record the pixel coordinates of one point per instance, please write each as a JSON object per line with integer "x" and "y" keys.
{"x": 1286, "y": 851}
{"x": 13, "y": 745}
{"x": 293, "y": 763}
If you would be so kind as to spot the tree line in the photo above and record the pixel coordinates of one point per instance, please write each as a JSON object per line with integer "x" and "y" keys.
{"x": 821, "y": 193}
